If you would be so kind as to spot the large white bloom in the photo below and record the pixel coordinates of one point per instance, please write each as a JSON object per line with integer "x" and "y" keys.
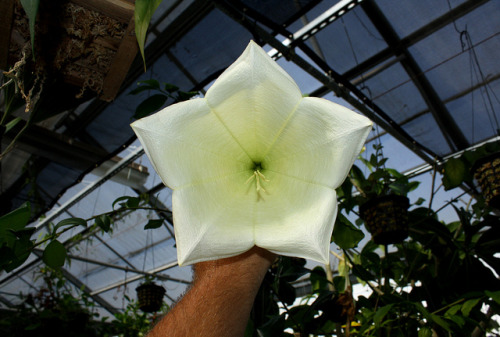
{"x": 253, "y": 163}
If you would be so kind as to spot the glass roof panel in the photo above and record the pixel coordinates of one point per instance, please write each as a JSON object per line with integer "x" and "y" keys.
{"x": 349, "y": 40}
{"x": 478, "y": 113}
{"x": 394, "y": 92}
{"x": 408, "y": 16}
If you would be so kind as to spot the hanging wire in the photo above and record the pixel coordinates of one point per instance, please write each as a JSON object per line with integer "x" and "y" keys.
{"x": 475, "y": 69}
{"x": 363, "y": 86}
{"x": 365, "y": 27}
{"x": 146, "y": 250}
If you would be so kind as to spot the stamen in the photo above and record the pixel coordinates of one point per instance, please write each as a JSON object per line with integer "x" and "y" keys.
{"x": 258, "y": 176}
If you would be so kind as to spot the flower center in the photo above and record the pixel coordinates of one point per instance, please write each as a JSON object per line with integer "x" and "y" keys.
{"x": 258, "y": 177}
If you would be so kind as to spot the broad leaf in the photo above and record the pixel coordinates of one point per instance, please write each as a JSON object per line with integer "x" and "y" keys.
{"x": 104, "y": 222}
{"x": 12, "y": 222}
{"x": 454, "y": 173}
{"x": 425, "y": 332}
{"x": 129, "y": 202}
{"x": 345, "y": 234}
{"x": 153, "y": 224}
{"x": 469, "y": 305}
{"x": 380, "y": 313}
{"x": 150, "y": 105}
{"x": 70, "y": 222}
{"x": 170, "y": 87}
{"x": 54, "y": 254}
{"x": 14, "y": 256}
{"x": 495, "y": 295}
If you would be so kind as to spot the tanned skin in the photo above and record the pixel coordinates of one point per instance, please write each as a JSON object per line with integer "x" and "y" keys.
{"x": 219, "y": 302}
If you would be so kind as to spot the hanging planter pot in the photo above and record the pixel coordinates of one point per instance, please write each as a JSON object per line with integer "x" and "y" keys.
{"x": 386, "y": 218}
{"x": 150, "y": 297}
{"x": 86, "y": 45}
{"x": 487, "y": 173}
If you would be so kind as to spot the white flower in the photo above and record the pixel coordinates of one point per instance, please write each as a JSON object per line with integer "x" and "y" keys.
{"x": 253, "y": 163}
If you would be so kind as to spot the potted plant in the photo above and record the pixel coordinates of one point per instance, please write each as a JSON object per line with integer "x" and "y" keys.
{"x": 382, "y": 199}
{"x": 482, "y": 165}
{"x": 150, "y": 295}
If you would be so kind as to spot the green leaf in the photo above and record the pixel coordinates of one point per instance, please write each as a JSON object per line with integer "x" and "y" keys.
{"x": 149, "y": 105}
{"x": 129, "y": 202}
{"x": 380, "y": 313}
{"x": 13, "y": 222}
{"x": 23, "y": 234}
{"x": 14, "y": 256}
{"x": 184, "y": 96}
{"x": 170, "y": 87}
{"x": 104, "y": 222}
{"x": 152, "y": 83}
{"x": 420, "y": 201}
{"x": 495, "y": 295}
{"x": 12, "y": 123}
{"x": 54, "y": 254}
{"x": 431, "y": 317}
{"x": 153, "y": 224}
{"x": 70, "y": 222}
{"x": 143, "y": 12}
{"x": 425, "y": 332}
{"x": 454, "y": 172}
{"x": 31, "y": 9}
{"x": 140, "y": 89}
{"x": 469, "y": 305}
{"x": 345, "y": 234}
{"x": 459, "y": 320}
{"x": 453, "y": 310}
{"x": 339, "y": 283}
{"x": 318, "y": 279}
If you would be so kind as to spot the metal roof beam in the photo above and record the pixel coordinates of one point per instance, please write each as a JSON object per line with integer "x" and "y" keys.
{"x": 316, "y": 25}
{"x": 333, "y": 81}
{"x": 87, "y": 190}
{"x": 127, "y": 269}
{"x": 69, "y": 152}
{"x": 135, "y": 278}
{"x": 446, "y": 123}
{"x": 416, "y": 37}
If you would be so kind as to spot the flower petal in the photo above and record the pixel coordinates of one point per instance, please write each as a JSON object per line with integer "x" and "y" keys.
{"x": 253, "y": 98}
{"x": 186, "y": 144}
{"x": 295, "y": 218}
{"x": 253, "y": 163}
{"x": 320, "y": 142}
{"x": 214, "y": 219}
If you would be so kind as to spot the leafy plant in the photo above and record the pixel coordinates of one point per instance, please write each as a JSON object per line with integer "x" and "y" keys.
{"x": 52, "y": 311}
{"x": 132, "y": 322}
{"x": 381, "y": 180}
{"x": 162, "y": 93}
{"x": 457, "y": 171}
{"x": 16, "y": 243}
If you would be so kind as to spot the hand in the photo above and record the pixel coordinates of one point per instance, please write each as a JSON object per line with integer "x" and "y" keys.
{"x": 220, "y": 300}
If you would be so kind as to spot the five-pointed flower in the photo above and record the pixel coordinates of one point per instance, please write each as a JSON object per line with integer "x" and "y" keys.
{"x": 253, "y": 163}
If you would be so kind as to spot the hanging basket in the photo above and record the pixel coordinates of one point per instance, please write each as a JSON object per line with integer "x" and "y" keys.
{"x": 88, "y": 45}
{"x": 386, "y": 218}
{"x": 487, "y": 173}
{"x": 150, "y": 297}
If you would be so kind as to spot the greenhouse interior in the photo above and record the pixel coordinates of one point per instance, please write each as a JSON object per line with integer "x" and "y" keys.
{"x": 86, "y": 219}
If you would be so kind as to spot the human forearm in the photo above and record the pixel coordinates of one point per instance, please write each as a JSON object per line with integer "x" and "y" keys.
{"x": 220, "y": 300}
